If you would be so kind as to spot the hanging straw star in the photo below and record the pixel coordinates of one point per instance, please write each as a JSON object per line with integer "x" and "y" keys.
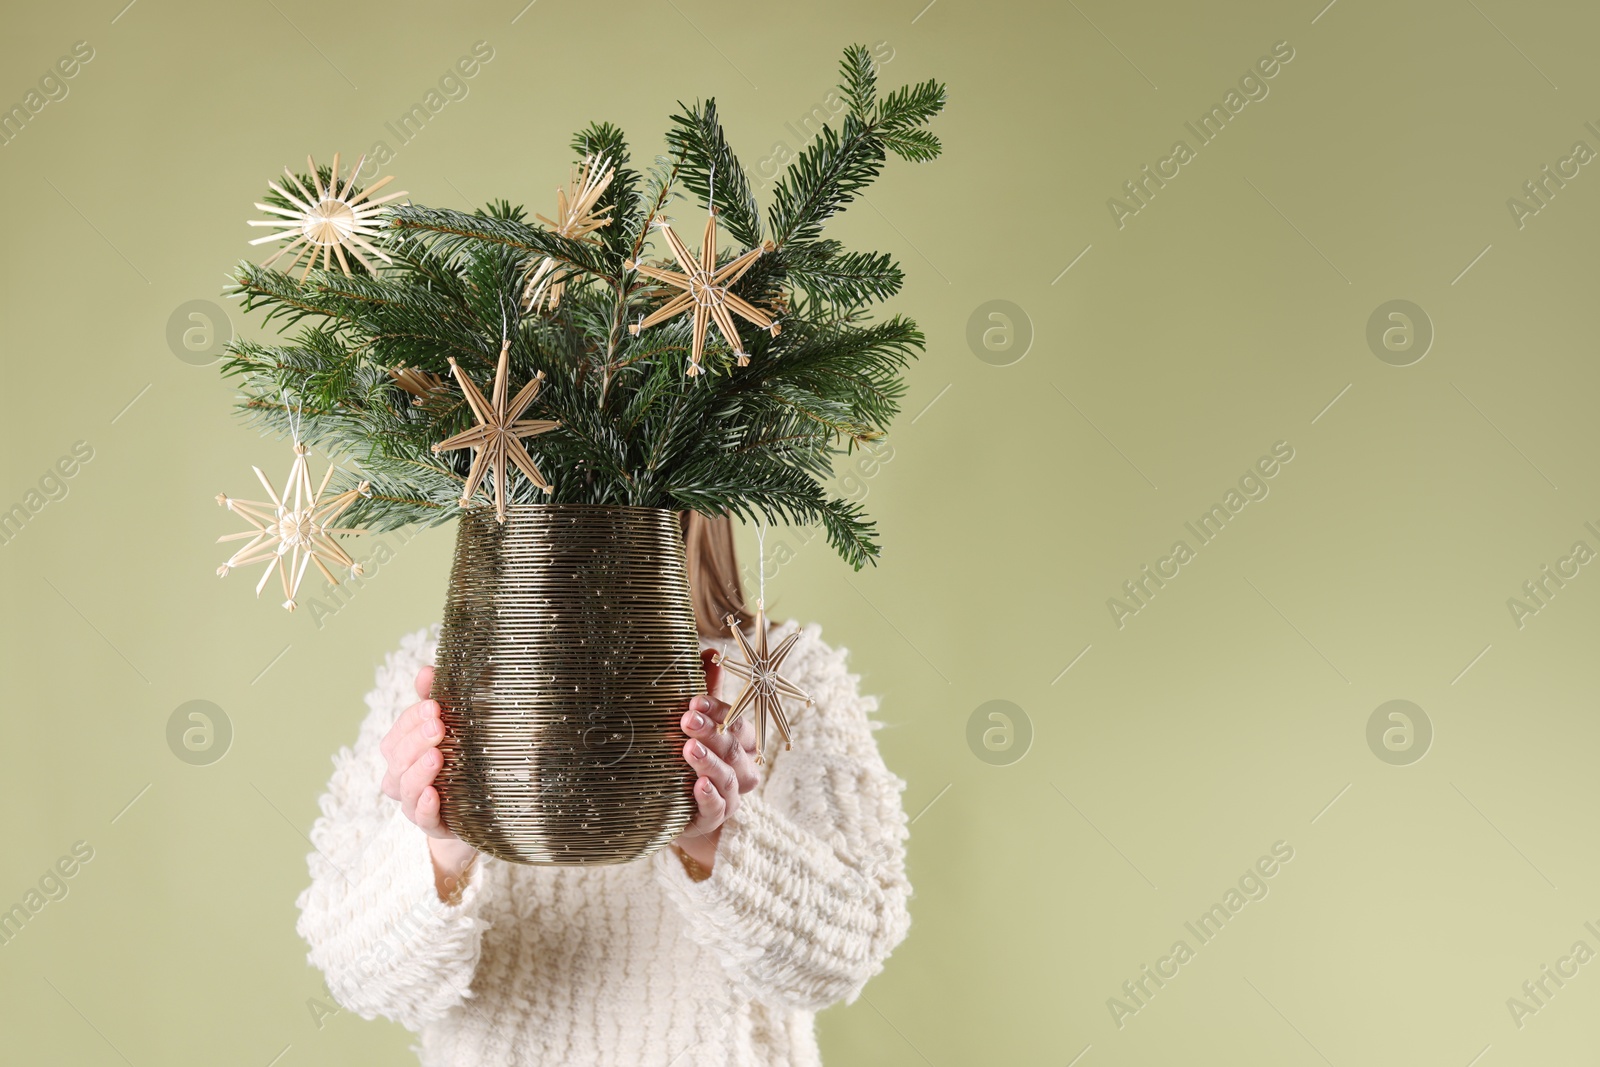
{"x": 294, "y": 530}
{"x": 707, "y": 289}
{"x": 499, "y": 433}
{"x": 764, "y": 688}
{"x": 327, "y": 223}
{"x": 576, "y": 218}
{"x": 421, "y": 384}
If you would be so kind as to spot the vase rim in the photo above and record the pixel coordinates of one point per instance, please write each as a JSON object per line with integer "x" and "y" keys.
{"x": 527, "y": 508}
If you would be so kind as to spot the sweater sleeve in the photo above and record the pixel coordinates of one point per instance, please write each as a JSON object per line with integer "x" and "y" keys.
{"x": 379, "y": 933}
{"x": 808, "y": 894}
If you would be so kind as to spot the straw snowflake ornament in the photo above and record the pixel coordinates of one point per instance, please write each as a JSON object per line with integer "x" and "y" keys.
{"x": 576, "y": 218}
{"x": 421, "y": 384}
{"x": 764, "y": 688}
{"x": 498, "y": 435}
{"x": 706, "y": 290}
{"x": 294, "y": 530}
{"x": 328, "y": 222}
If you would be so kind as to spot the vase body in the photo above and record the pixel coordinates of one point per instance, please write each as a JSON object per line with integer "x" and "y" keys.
{"x": 568, "y": 657}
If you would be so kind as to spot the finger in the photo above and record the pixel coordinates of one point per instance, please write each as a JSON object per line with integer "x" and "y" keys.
{"x": 418, "y": 777}
{"x": 745, "y": 768}
{"x": 702, "y": 727}
{"x": 426, "y": 814}
{"x": 744, "y": 729}
{"x": 398, "y": 746}
{"x": 405, "y": 723}
{"x": 711, "y": 808}
{"x": 708, "y": 661}
{"x": 726, "y": 746}
{"x": 424, "y": 683}
{"x": 410, "y": 748}
{"x": 708, "y": 764}
{"x": 709, "y": 705}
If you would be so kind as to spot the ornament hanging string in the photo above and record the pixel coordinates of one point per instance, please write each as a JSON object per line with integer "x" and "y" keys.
{"x": 296, "y": 528}
{"x": 759, "y": 666}
{"x": 711, "y": 207}
{"x": 297, "y": 415}
{"x": 706, "y": 288}
{"x": 761, "y": 562}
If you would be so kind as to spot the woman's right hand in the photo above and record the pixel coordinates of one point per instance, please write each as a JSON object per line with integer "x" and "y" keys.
{"x": 411, "y": 749}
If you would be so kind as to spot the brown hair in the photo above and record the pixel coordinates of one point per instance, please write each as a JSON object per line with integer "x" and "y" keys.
{"x": 714, "y": 584}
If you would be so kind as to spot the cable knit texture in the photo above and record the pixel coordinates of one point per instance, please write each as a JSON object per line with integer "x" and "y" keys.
{"x": 634, "y": 964}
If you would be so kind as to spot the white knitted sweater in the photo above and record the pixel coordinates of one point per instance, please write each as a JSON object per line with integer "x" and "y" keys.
{"x": 632, "y": 964}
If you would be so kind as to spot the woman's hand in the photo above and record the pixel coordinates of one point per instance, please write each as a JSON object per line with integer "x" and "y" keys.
{"x": 412, "y": 750}
{"x": 725, "y": 764}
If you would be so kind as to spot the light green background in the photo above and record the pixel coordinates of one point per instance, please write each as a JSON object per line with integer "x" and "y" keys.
{"x": 1224, "y": 317}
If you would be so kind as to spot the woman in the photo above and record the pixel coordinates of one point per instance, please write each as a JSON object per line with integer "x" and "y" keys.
{"x": 784, "y": 895}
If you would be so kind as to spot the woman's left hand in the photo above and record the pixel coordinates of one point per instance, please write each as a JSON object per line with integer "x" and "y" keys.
{"x": 725, "y": 764}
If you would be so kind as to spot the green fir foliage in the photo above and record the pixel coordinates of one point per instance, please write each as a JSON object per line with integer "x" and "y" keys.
{"x": 753, "y": 441}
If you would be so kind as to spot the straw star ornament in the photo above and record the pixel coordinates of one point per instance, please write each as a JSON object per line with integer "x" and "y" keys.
{"x": 764, "y": 688}
{"x": 707, "y": 290}
{"x": 421, "y": 384}
{"x": 328, "y": 222}
{"x": 576, "y": 218}
{"x": 293, "y": 531}
{"x": 499, "y": 434}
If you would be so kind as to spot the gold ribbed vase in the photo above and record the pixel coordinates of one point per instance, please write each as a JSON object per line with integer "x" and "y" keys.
{"x": 568, "y": 656}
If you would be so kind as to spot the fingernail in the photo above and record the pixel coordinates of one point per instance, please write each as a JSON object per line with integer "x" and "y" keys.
{"x": 699, "y": 703}
{"x": 696, "y": 721}
{"x": 699, "y": 750}
{"x": 436, "y": 729}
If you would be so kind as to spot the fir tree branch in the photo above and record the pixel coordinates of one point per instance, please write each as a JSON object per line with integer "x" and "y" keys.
{"x": 759, "y": 439}
{"x": 712, "y": 172}
{"x": 837, "y": 165}
{"x": 448, "y": 231}
{"x": 860, "y": 85}
{"x": 829, "y": 274}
